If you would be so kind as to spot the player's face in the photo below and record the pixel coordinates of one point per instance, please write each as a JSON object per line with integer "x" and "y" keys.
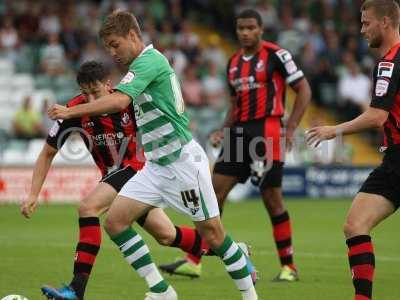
{"x": 248, "y": 32}
{"x": 95, "y": 90}
{"x": 123, "y": 49}
{"x": 371, "y": 28}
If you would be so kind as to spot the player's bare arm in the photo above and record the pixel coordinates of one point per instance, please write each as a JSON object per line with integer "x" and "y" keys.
{"x": 40, "y": 171}
{"x": 371, "y": 118}
{"x": 301, "y": 102}
{"x": 107, "y": 104}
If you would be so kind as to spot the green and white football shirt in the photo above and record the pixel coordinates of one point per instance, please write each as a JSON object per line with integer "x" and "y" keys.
{"x": 159, "y": 108}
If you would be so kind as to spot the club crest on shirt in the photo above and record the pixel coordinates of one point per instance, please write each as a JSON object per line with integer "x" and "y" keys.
{"x": 125, "y": 120}
{"x": 385, "y": 69}
{"x": 260, "y": 66}
{"x": 234, "y": 69}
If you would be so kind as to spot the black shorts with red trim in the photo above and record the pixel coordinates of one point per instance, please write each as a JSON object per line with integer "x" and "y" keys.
{"x": 256, "y": 140}
{"x": 385, "y": 179}
{"x": 119, "y": 177}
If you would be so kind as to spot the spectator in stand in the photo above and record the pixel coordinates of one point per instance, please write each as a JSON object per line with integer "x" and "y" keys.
{"x": 176, "y": 58}
{"x": 52, "y": 57}
{"x": 27, "y": 122}
{"x": 213, "y": 53}
{"x": 192, "y": 90}
{"x": 354, "y": 91}
{"x": 49, "y": 20}
{"x": 9, "y": 40}
{"x": 214, "y": 88}
{"x": 188, "y": 41}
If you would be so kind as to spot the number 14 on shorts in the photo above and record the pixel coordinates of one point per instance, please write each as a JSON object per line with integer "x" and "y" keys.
{"x": 191, "y": 200}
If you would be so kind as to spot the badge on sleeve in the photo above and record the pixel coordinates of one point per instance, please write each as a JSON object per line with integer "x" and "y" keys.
{"x": 385, "y": 69}
{"x": 381, "y": 87}
{"x": 128, "y": 77}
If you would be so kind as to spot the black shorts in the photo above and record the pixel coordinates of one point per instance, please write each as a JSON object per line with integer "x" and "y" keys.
{"x": 118, "y": 178}
{"x": 244, "y": 144}
{"x": 385, "y": 182}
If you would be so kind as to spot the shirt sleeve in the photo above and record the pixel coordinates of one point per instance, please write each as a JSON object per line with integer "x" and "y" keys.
{"x": 231, "y": 89}
{"x": 287, "y": 67}
{"x": 386, "y": 85}
{"x": 60, "y": 131}
{"x": 141, "y": 73}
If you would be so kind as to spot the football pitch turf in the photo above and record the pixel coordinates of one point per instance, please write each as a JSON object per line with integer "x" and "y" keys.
{"x": 40, "y": 251}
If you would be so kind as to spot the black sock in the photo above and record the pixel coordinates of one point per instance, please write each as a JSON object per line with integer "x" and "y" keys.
{"x": 79, "y": 283}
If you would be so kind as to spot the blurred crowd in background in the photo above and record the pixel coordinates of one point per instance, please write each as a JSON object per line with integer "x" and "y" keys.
{"x": 42, "y": 43}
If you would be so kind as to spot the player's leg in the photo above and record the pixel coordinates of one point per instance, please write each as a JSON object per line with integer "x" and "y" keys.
{"x": 193, "y": 195}
{"x": 270, "y": 155}
{"x": 228, "y": 171}
{"x": 378, "y": 198}
{"x": 367, "y": 211}
{"x": 231, "y": 254}
{"x": 89, "y": 242}
{"x": 271, "y": 192}
{"x": 157, "y": 223}
{"x": 191, "y": 240}
{"x": 123, "y": 212}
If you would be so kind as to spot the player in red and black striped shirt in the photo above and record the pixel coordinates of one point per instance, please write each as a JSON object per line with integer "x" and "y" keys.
{"x": 379, "y": 196}
{"x": 110, "y": 140}
{"x": 257, "y": 77}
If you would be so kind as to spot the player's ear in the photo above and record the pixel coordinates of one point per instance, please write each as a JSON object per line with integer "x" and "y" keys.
{"x": 386, "y": 22}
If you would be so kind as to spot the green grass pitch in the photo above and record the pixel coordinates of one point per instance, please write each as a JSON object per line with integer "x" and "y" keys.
{"x": 38, "y": 251}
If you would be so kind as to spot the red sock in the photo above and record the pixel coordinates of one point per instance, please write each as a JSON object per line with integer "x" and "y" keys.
{"x": 282, "y": 232}
{"x": 88, "y": 246}
{"x": 362, "y": 264}
{"x": 190, "y": 241}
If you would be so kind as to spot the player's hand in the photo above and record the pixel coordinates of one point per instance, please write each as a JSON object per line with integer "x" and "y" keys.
{"x": 289, "y": 137}
{"x": 216, "y": 137}
{"x": 57, "y": 111}
{"x": 28, "y": 206}
{"x": 316, "y": 135}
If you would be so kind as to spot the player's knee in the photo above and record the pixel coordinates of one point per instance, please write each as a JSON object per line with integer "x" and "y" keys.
{"x": 87, "y": 209}
{"x": 113, "y": 227}
{"x": 354, "y": 227}
{"x": 165, "y": 239}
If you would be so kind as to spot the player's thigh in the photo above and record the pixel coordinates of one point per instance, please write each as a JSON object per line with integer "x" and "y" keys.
{"x": 366, "y": 212}
{"x": 102, "y": 196}
{"x": 123, "y": 212}
{"x": 159, "y": 225}
{"x": 98, "y": 201}
{"x": 186, "y": 184}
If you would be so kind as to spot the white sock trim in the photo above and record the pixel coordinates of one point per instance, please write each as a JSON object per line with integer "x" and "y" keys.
{"x": 137, "y": 254}
{"x": 240, "y": 264}
{"x": 130, "y": 243}
{"x": 154, "y": 277}
{"x": 231, "y": 251}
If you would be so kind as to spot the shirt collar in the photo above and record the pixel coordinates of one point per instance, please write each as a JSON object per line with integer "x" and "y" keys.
{"x": 145, "y": 49}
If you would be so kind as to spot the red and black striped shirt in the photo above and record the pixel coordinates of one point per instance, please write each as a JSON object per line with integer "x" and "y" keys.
{"x": 111, "y": 139}
{"x": 259, "y": 82}
{"x": 386, "y": 94}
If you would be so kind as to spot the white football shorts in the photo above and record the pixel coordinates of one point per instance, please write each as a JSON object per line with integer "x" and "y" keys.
{"x": 184, "y": 185}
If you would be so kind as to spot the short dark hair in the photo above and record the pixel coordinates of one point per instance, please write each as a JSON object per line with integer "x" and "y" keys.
{"x": 119, "y": 23}
{"x": 91, "y": 72}
{"x": 250, "y": 14}
{"x": 384, "y": 8}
